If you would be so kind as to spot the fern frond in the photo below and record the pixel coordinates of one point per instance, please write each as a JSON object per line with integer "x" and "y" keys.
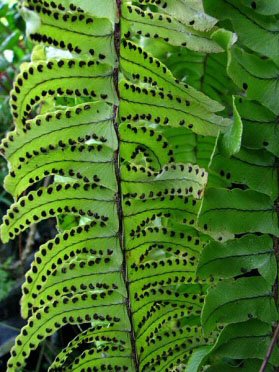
{"x": 165, "y": 27}
{"x": 252, "y": 297}
{"x": 118, "y": 153}
{"x": 239, "y": 256}
{"x": 79, "y": 29}
{"x": 260, "y": 129}
{"x": 240, "y": 208}
{"x": 229, "y": 212}
{"x": 256, "y": 76}
{"x": 255, "y": 30}
{"x": 42, "y": 79}
{"x": 153, "y": 73}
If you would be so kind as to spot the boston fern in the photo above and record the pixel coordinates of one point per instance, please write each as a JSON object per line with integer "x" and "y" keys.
{"x": 151, "y": 135}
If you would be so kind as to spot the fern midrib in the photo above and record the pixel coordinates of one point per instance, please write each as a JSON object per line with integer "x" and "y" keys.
{"x": 117, "y": 42}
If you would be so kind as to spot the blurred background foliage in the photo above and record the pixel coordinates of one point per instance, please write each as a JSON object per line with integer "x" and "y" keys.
{"x": 14, "y": 49}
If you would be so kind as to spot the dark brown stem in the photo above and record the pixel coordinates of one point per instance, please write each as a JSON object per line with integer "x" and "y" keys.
{"x": 276, "y": 241}
{"x": 270, "y": 349}
{"x": 276, "y": 252}
{"x": 117, "y": 40}
{"x": 275, "y": 289}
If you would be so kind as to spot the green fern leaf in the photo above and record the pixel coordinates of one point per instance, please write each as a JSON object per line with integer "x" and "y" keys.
{"x": 59, "y": 77}
{"x": 260, "y": 128}
{"x": 235, "y": 341}
{"x": 239, "y": 256}
{"x": 237, "y": 301}
{"x": 120, "y": 152}
{"x": 255, "y": 30}
{"x": 257, "y": 77}
{"x": 166, "y": 28}
{"x": 228, "y": 212}
{"x": 188, "y": 12}
{"x": 74, "y": 28}
{"x": 263, "y": 6}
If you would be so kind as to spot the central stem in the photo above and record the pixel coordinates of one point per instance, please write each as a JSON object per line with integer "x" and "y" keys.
{"x": 275, "y": 337}
{"x": 117, "y": 40}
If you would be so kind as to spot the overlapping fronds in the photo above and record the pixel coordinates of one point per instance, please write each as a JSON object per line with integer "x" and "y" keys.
{"x": 116, "y": 128}
{"x": 240, "y": 206}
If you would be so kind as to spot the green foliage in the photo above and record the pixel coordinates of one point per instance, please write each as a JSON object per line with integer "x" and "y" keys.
{"x": 13, "y": 51}
{"x": 128, "y": 141}
{"x": 6, "y": 281}
{"x": 240, "y": 204}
